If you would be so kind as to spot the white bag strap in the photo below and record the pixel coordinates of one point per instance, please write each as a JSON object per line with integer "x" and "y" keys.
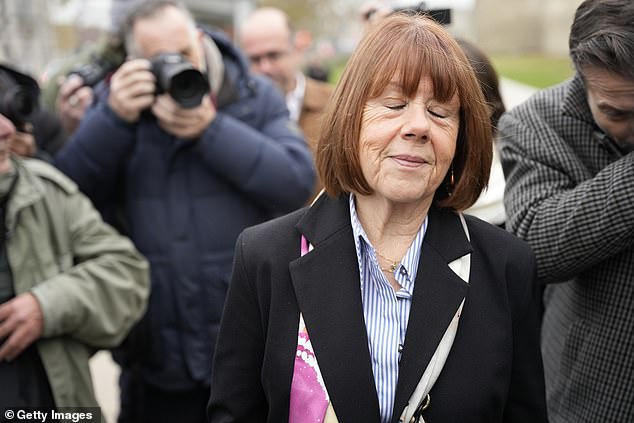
{"x": 420, "y": 399}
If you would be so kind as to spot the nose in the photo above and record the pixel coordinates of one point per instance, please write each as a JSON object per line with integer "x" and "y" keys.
{"x": 6, "y": 128}
{"x": 417, "y": 125}
{"x": 266, "y": 65}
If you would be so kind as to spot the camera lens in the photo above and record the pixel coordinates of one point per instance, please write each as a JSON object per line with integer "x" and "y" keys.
{"x": 18, "y": 105}
{"x": 19, "y": 96}
{"x": 176, "y": 76}
{"x": 188, "y": 88}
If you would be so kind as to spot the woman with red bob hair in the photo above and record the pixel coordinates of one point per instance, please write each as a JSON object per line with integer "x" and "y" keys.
{"x": 382, "y": 302}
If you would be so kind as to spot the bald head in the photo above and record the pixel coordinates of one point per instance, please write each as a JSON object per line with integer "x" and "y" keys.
{"x": 265, "y": 36}
{"x": 264, "y": 22}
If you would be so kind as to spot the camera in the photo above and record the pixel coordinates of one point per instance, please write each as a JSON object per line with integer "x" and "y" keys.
{"x": 176, "y": 76}
{"x": 102, "y": 62}
{"x": 93, "y": 72}
{"x": 19, "y": 96}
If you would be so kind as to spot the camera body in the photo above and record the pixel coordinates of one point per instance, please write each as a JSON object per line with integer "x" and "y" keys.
{"x": 19, "y": 96}
{"x": 176, "y": 76}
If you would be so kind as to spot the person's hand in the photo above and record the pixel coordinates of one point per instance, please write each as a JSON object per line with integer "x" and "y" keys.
{"x": 23, "y": 142}
{"x": 21, "y": 324}
{"x": 132, "y": 89}
{"x": 73, "y": 99}
{"x": 183, "y": 123}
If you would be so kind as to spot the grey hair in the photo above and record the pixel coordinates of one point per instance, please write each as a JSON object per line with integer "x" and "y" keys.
{"x": 602, "y": 36}
{"x": 147, "y": 10}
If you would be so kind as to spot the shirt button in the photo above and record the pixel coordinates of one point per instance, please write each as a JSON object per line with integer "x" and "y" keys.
{"x": 403, "y": 271}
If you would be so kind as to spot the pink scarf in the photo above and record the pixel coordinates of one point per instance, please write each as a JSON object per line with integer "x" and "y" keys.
{"x": 309, "y": 398}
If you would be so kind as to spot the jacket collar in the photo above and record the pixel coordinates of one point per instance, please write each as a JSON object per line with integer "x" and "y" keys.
{"x": 326, "y": 283}
{"x": 28, "y": 190}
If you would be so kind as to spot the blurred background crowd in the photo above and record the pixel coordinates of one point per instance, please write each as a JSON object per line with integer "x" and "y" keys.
{"x": 527, "y": 39}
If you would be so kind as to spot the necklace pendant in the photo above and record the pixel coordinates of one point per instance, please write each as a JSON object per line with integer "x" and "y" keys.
{"x": 393, "y": 267}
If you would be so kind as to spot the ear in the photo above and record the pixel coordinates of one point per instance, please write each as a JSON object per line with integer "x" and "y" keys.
{"x": 302, "y": 40}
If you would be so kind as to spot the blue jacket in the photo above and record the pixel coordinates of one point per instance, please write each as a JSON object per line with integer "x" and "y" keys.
{"x": 185, "y": 202}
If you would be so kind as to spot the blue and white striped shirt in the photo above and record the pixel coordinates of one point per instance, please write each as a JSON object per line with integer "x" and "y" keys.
{"x": 386, "y": 312}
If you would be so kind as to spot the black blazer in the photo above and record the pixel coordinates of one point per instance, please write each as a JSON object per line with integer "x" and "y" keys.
{"x": 492, "y": 374}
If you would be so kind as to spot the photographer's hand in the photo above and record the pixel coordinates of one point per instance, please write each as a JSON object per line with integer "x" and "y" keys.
{"x": 21, "y": 324}
{"x": 23, "y": 142}
{"x": 72, "y": 101}
{"x": 183, "y": 123}
{"x": 132, "y": 89}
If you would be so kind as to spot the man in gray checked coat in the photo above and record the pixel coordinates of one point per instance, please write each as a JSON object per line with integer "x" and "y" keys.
{"x": 568, "y": 158}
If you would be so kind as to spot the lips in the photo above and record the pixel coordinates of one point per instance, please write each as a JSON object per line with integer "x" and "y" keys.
{"x": 409, "y": 161}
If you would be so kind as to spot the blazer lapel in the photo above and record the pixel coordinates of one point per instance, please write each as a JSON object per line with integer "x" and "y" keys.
{"x": 438, "y": 292}
{"x": 326, "y": 283}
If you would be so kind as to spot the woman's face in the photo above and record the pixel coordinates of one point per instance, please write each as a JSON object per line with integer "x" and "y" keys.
{"x": 407, "y": 144}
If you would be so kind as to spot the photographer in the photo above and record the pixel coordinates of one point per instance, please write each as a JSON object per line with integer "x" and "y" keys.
{"x": 69, "y": 284}
{"x": 190, "y": 170}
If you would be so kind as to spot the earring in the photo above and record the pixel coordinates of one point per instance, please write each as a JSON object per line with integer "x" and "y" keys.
{"x": 451, "y": 182}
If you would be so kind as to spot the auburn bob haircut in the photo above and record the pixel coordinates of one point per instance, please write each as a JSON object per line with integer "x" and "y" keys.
{"x": 409, "y": 47}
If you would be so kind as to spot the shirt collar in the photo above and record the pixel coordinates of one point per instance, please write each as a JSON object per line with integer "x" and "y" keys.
{"x": 295, "y": 98}
{"x": 409, "y": 263}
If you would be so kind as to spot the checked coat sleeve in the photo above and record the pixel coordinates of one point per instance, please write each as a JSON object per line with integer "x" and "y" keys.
{"x": 566, "y": 194}
{"x": 571, "y": 196}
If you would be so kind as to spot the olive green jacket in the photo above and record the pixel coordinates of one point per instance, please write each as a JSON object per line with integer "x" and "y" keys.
{"x": 91, "y": 283}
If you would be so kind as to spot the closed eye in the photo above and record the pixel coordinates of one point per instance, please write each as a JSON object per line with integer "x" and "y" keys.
{"x": 617, "y": 115}
{"x": 613, "y": 113}
{"x": 438, "y": 115}
{"x": 396, "y": 106}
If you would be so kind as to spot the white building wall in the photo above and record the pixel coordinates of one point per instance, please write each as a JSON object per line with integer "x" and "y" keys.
{"x": 557, "y": 17}
{"x": 524, "y": 26}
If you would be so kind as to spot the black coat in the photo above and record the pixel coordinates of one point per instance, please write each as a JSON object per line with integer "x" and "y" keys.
{"x": 493, "y": 372}
{"x": 185, "y": 202}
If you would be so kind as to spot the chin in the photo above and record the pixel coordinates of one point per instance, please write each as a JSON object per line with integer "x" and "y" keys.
{"x": 407, "y": 198}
